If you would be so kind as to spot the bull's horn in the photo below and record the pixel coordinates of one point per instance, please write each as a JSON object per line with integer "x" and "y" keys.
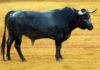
{"x": 81, "y": 13}
{"x": 92, "y": 11}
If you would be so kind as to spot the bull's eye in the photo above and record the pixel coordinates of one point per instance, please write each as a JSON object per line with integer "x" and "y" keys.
{"x": 85, "y": 17}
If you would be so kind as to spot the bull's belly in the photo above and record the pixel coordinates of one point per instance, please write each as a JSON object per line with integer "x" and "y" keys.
{"x": 38, "y": 36}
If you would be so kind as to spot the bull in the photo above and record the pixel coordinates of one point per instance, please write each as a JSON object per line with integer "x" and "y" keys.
{"x": 54, "y": 24}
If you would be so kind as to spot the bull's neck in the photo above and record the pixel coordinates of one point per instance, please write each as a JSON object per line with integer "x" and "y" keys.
{"x": 73, "y": 24}
{"x": 72, "y": 28}
{"x": 71, "y": 19}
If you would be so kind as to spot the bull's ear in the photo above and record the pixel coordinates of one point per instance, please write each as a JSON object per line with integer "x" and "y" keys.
{"x": 92, "y": 11}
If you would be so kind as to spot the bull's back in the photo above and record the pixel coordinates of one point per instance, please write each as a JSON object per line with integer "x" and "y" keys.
{"x": 31, "y": 23}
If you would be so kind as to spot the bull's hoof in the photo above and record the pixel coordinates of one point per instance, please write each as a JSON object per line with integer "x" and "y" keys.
{"x": 59, "y": 59}
{"x": 3, "y": 59}
{"x": 24, "y": 60}
{"x": 9, "y": 59}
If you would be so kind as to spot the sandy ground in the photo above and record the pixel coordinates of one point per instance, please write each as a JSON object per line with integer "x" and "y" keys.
{"x": 81, "y": 51}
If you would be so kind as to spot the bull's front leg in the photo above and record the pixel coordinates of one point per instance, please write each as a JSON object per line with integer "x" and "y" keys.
{"x": 58, "y": 50}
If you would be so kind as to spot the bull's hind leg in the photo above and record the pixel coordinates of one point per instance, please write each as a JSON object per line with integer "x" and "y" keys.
{"x": 9, "y": 43}
{"x": 18, "y": 40}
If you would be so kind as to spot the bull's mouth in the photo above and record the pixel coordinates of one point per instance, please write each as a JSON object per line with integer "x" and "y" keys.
{"x": 90, "y": 28}
{"x": 88, "y": 25}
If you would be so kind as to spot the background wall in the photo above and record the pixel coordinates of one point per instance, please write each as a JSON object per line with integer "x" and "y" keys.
{"x": 49, "y": 0}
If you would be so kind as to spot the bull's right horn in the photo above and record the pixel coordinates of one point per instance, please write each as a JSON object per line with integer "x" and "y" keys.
{"x": 92, "y": 11}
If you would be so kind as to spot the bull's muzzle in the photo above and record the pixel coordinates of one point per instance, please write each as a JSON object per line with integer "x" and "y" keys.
{"x": 90, "y": 26}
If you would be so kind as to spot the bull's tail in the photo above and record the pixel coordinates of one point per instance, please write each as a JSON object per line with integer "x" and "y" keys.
{"x": 4, "y": 36}
{"x": 3, "y": 42}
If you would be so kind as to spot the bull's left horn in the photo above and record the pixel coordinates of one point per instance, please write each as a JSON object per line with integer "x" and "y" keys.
{"x": 81, "y": 13}
{"x": 92, "y": 11}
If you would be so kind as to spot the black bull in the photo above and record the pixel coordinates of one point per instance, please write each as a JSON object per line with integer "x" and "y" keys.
{"x": 55, "y": 24}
